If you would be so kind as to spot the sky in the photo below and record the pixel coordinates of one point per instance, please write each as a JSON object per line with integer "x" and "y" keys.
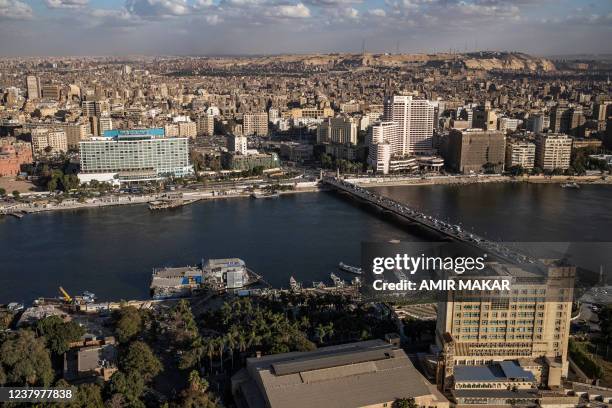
{"x": 237, "y": 27}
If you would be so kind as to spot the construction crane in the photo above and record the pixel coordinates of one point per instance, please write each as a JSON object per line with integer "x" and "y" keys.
{"x": 65, "y": 295}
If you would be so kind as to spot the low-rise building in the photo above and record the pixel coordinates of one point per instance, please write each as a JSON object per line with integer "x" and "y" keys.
{"x": 233, "y": 161}
{"x": 12, "y": 155}
{"x": 369, "y": 374}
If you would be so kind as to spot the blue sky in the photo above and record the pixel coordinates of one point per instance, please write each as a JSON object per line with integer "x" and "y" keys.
{"x": 118, "y": 27}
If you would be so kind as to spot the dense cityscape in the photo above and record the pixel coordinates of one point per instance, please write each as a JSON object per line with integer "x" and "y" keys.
{"x": 169, "y": 135}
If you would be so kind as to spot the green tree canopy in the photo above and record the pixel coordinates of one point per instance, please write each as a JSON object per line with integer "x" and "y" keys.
{"x": 138, "y": 359}
{"x": 24, "y": 359}
{"x": 58, "y": 334}
{"x": 128, "y": 323}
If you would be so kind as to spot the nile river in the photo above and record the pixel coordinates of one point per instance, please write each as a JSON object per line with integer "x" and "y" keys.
{"x": 111, "y": 251}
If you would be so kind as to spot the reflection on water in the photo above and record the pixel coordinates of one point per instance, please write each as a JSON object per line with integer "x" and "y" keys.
{"x": 112, "y": 251}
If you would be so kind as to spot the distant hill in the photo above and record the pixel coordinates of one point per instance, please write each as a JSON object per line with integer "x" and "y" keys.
{"x": 485, "y": 60}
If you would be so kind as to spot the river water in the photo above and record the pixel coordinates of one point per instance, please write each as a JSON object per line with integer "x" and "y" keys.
{"x": 111, "y": 251}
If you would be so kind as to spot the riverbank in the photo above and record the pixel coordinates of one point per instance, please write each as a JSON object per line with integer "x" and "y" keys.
{"x": 121, "y": 200}
{"x": 475, "y": 179}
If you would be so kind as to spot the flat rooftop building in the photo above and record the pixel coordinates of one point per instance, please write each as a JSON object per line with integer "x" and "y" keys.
{"x": 363, "y": 374}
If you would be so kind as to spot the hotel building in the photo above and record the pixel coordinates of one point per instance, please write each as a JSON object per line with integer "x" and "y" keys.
{"x": 134, "y": 156}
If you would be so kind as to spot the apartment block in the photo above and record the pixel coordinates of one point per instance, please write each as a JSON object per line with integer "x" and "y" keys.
{"x": 520, "y": 153}
{"x": 553, "y": 151}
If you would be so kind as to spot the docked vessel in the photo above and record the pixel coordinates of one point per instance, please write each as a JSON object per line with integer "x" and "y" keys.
{"x": 570, "y": 185}
{"x": 348, "y": 268}
{"x": 167, "y": 201}
{"x": 272, "y": 194}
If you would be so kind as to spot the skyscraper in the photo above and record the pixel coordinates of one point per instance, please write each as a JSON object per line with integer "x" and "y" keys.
{"x": 415, "y": 121}
{"x": 33, "y": 85}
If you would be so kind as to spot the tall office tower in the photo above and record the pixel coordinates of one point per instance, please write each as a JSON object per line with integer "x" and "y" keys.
{"x": 474, "y": 150}
{"x": 520, "y": 153}
{"x": 33, "y": 86}
{"x": 560, "y": 119}
{"x": 237, "y": 144}
{"x": 535, "y": 123}
{"x": 341, "y": 130}
{"x": 94, "y": 125}
{"x": 205, "y": 125}
{"x": 255, "y": 124}
{"x": 601, "y": 111}
{"x": 105, "y": 123}
{"x": 415, "y": 121}
{"x": 529, "y": 323}
{"x": 381, "y": 138}
{"x": 95, "y": 108}
{"x": 577, "y": 122}
{"x": 553, "y": 151}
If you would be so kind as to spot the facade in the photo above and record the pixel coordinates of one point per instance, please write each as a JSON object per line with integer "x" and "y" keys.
{"x": 415, "y": 123}
{"x": 33, "y": 87}
{"x": 601, "y": 111}
{"x": 382, "y": 139}
{"x": 233, "y": 161}
{"x": 296, "y": 152}
{"x": 530, "y": 322}
{"x": 205, "y": 125}
{"x": 135, "y": 158}
{"x": 255, "y": 124}
{"x": 553, "y": 151}
{"x": 237, "y": 144}
{"x": 471, "y": 150}
{"x": 536, "y": 123}
{"x": 370, "y": 374}
{"x": 48, "y": 141}
{"x": 520, "y": 153}
{"x": 51, "y": 91}
{"x": 341, "y": 130}
{"x": 560, "y": 119}
{"x": 187, "y": 129}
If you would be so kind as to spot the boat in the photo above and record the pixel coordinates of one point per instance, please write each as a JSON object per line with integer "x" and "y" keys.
{"x": 570, "y": 185}
{"x": 272, "y": 194}
{"x": 163, "y": 204}
{"x": 338, "y": 282}
{"x": 293, "y": 284}
{"x": 348, "y": 268}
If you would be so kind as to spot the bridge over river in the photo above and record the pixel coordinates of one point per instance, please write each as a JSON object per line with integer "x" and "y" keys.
{"x": 445, "y": 229}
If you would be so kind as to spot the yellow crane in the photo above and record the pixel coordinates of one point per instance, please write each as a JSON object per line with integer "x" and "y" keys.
{"x": 65, "y": 295}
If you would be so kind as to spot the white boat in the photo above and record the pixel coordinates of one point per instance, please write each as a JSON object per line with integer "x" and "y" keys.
{"x": 348, "y": 268}
{"x": 570, "y": 185}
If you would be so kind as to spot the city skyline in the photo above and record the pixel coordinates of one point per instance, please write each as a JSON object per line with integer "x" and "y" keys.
{"x": 248, "y": 27}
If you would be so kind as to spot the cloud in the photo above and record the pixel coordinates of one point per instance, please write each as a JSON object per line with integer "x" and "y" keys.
{"x": 213, "y": 19}
{"x": 66, "y": 3}
{"x": 377, "y": 12}
{"x": 15, "y": 10}
{"x": 290, "y": 11}
{"x": 158, "y": 8}
{"x": 200, "y": 4}
{"x": 332, "y": 3}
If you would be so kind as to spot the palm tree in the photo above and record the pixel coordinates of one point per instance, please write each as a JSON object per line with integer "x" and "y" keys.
{"x": 320, "y": 332}
{"x": 230, "y": 340}
{"x": 330, "y": 330}
{"x": 209, "y": 346}
{"x": 220, "y": 343}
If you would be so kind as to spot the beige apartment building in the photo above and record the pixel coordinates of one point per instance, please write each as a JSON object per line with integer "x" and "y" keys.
{"x": 341, "y": 130}
{"x": 520, "y": 153}
{"x": 48, "y": 141}
{"x": 255, "y": 124}
{"x": 553, "y": 151}
{"x": 205, "y": 125}
{"x": 529, "y": 323}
